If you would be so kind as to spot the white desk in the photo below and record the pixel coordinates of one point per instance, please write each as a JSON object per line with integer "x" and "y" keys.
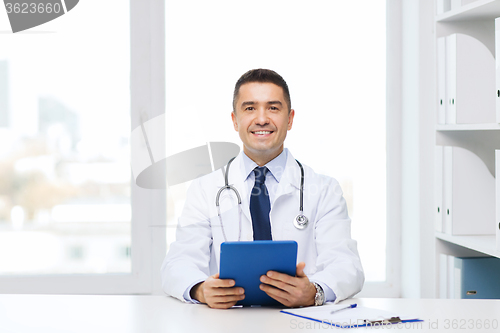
{"x": 142, "y": 314}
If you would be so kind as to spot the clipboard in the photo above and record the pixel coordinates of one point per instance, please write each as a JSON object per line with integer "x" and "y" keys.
{"x": 350, "y": 318}
{"x": 246, "y": 262}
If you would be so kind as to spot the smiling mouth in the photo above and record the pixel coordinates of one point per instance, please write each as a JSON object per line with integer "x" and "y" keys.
{"x": 262, "y": 132}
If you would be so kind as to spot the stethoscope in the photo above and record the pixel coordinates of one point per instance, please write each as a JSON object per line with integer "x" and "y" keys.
{"x": 300, "y": 221}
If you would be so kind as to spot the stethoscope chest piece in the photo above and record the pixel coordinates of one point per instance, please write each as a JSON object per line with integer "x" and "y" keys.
{"x": 300, "y": 221}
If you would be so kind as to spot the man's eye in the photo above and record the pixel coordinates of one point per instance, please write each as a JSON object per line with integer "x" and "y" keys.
{"x": 249, "y": 108}
{"x": 274, "y": 108}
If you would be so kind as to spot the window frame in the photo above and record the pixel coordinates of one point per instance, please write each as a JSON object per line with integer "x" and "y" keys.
{"x": 148, "y": 240}
{"x": 391, "y": 287}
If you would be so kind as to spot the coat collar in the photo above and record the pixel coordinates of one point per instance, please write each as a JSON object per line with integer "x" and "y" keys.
{"x": 237, "y": 173}
{"x": 290, "y": 180}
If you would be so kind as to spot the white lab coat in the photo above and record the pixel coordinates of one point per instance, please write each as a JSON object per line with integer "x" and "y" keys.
{"x": 325, "y": 246}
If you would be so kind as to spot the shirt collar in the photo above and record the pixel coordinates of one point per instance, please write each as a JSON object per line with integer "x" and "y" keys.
{"x": 276, "y": 166}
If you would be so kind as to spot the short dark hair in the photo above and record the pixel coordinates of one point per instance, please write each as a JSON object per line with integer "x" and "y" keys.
{"x": 264, "y": 76}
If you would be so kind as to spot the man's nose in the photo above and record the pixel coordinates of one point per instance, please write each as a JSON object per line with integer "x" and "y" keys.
{"x": 262, "y": 118}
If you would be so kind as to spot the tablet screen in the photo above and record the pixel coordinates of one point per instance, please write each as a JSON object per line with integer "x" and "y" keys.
{"x": 246, "y": 262}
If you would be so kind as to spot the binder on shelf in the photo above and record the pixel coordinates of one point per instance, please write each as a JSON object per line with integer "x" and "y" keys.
{"x": 443, "y": 276}
{"x": 466, "y": 2}
{"x": 451, "y": 78}
{"x": 497, "y": 199}
{"x": 477, "y": 278}
{"x": 469, "y": 194}
{"x": 438, "y": 183}
{"x": 447, "y": 187}
{"x": 455, "y": 4}
{"x": 443, "y": 6}
{"x": 441, "y": 81}
{"x": 470, "y": 81}
{"x": 497, "y": 52}
{"x": 451, "y": 276}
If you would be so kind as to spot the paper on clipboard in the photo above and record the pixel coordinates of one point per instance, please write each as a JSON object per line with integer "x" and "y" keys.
{"x": 355, "y": 317}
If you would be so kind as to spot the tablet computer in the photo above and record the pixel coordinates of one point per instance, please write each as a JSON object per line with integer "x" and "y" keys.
{"x": 246, "y": 262}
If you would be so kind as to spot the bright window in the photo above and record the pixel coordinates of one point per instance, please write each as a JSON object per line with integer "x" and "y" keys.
{"x": 332, "y": 55}
{"x": 64, "y": 152}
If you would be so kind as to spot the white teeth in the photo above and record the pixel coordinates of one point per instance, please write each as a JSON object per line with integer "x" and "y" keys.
{"x": 262, "y": 132}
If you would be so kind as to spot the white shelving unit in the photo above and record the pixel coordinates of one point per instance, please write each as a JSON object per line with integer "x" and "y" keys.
{"x": 468, "y": 127}
{"x": 475, "y": 10}
{"x": 481, "y": 244}
{"x": 475, "y": 19}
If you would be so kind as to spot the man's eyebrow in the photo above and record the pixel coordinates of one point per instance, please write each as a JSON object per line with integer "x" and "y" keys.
{"x": 252, "y": 103}
{"x": 247, "y": 103}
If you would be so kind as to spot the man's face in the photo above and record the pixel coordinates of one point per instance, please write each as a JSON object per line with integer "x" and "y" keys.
{"x": 261, "y": 118}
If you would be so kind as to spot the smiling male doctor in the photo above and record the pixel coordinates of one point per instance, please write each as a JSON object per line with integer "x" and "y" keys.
{"x": 329, "y": 267}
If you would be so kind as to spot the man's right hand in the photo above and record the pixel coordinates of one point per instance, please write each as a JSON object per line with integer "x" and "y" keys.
{"x": 217, "y": 293}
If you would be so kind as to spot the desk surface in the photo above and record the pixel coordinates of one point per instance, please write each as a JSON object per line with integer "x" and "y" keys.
{"x": 141, "y": 314}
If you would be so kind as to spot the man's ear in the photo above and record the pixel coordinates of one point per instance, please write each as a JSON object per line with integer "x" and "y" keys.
{"x": 235, "y": 121}
{"x": 290, "y": 118}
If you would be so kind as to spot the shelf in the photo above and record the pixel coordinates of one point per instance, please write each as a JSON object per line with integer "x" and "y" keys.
{"x": 468, "y": 127}
{"x": 484, "y": 244}
{"x": 481, "y": 139}
{"x": 477, "y": 10}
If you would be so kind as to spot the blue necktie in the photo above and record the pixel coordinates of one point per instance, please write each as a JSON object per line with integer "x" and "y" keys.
{"x": 260, "y": 206}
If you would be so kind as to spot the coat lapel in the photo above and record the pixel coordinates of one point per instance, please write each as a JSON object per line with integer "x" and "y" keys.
{"x": 290, "y": 180}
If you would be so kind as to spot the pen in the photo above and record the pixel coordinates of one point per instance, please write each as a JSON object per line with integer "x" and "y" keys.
{"x": 352, "y": 306}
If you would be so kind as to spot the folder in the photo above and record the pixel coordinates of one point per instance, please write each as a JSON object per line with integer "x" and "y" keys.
{"x": 451, "y": 278}
{"x": 438, "y": 182}
{"x": 497, "y": 195}
{"x": 497, "y": 52}
{"x": 451, "y": 78}
{"x": 447, "y": 188}
{"x": 455, "y": 4}
{"x": 477, "y": 278}
{"x": 470, "y": 81}
{"x": 466, "y": 2}
{"x": 469, "y": 194}
{"x": 443, "y": 276}
{"x": 353, "y": 317}
{"x": 442, "y": 6}
{"x": 441, "y": 80}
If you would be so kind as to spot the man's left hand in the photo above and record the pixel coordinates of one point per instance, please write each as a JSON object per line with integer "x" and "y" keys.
{"x": 291, "y": 291}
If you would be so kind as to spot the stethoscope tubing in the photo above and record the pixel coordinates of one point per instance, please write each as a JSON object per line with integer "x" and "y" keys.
{"x": 300, "y": 221}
